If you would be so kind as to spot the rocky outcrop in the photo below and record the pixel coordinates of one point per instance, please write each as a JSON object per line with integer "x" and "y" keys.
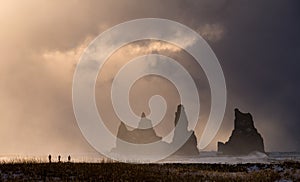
{"x": 181, "y": 121}
{"x": 148, "y": 135}
{"x": 244, "y": 138}
{"x": 142, "y": 135}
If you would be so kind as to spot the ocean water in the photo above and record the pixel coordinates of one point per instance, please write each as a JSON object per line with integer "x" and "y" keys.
{"x": 209, "y": 157}
{"x": 255, "y": 157}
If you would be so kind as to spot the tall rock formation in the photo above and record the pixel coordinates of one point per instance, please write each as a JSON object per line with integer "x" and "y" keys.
{"x": 244, "y": 138}
{"x": 181, "y": 123}
{"x": 145, "y": 134}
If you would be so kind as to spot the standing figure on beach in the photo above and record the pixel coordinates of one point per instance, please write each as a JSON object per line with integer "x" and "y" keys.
{"x": 59, "y": 158}
{"x": 69, "y": 158}
{"x": 49, "y": 157}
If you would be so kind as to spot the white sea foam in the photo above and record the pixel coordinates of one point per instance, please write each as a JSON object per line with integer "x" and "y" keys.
{"x": 212, "y": 157}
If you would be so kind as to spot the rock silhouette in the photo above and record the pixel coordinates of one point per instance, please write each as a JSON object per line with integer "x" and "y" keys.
{"x": 139, "y": 135}
{"x": 190, "y": 146}
{"x": 244, "y": 138}
{"x": 146, "y": 134}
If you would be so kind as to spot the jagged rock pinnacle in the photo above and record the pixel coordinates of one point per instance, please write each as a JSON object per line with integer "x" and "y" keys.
{"x": 244, "y": 138}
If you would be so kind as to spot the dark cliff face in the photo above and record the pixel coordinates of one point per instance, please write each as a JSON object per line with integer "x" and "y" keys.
{"x": 244, "y": 138}
{"x": 243, "y": 121}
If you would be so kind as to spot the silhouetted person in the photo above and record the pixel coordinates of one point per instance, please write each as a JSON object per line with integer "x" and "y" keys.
{"x": 69, "y": 158}
{"x": 49, "y": 157}
{"x": 59, "y": 158}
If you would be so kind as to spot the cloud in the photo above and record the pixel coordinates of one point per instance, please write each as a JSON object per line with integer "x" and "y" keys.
{"x": 40, "y": 42}
{"x": 152, "y": 47}
{"x": 212, "y": 32}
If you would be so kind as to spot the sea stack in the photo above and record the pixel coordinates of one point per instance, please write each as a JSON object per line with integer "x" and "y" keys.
{"x": 244, "y": 138}
{"x": 181, "y": 122}
{"x": 142, "y": 135}
{"x": 145, "y": 134}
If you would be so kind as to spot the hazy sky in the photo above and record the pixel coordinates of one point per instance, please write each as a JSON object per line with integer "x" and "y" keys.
{"x": 257, "y": 43}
